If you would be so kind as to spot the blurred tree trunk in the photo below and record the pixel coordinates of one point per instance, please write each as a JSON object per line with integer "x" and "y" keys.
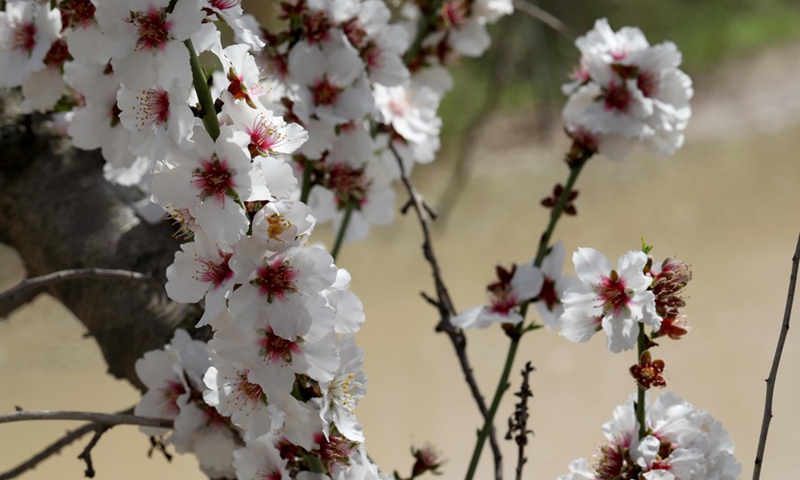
{"x": 58, "y": 212}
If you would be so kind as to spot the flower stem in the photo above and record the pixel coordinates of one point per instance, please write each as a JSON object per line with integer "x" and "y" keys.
{"x": 575, "y": 169}
{"x": 348, "y": 212}
{"x": 210, "y": 119}
{"x": 641, "y": 346}
{"x": 308, "y": 168}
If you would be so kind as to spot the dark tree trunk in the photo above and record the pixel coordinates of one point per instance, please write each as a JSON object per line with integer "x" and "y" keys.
{"x": 58, "y": 212}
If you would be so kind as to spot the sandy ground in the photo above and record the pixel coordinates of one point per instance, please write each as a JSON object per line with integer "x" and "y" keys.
{"x": 727, "y": 204}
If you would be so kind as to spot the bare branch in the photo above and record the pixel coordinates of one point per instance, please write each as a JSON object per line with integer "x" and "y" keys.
{"x": 518, "y": 422}
{"x": 86, "y": 454}
{"x": 445, "y": 306}
{"x": 26, "y": 290}
{"x": 545, "y": 17}
{"x": 49, "y": 451}
{"x": 100, "y": 418}
{"x": 773, "y": 372}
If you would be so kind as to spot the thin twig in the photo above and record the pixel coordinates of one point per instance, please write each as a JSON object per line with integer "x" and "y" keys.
{"x": 54, "y": 448}
{"x": 86, "y": 454}
{"x": 101, "y": 418}
{"x": 545, "y": 17}
{"x": 773, "y": 372}
{"x": 518, "y": 422}
{"x": 26, "y": 290}
{"x": 444, "y": 304}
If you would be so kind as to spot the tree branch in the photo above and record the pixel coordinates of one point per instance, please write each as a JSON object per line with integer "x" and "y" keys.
{"x": 773, "y": 372}
{"x": 518, "y": 422}
{"x": 444, "y": 304}
{"x": 545, "y": 17}
{"x": 28, "y": 289}
{"x": 55, "y": 447}
{"x": 107, "y": 419}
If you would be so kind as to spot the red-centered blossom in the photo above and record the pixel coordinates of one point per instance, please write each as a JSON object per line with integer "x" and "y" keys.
{"x": 669, "y": 280}
{"x": 673, "y": 327}
{"x": 24, "y": 37}
{"x": 170, "y": 392}
{"x": 348, "y": 183}
{"x": 77, "y": 13}
{"x": 152, "y": 108}
{"x": 617, "y": 97}
{"x": 324, "y": 92}
{"x": 455, "y": 13}
{"x": 274, "y": 349}
{"x": 275, "y": 280}
{"x": 57, "y": 55}
{"x": 548, "y": 294}
{"x": 223, "y": 5}
{"x": 154, "y": 28}
{"x": 214, "y": 178}
{"x": 247, "y": 392}
{"x": 612, "y": 292}
{"x": 613, "y": 463}
{"x": 648, "y": 372}
{"x": 335, "y": 449}
{"x": 216, "y": 273}
{"x": 647, "y": 83}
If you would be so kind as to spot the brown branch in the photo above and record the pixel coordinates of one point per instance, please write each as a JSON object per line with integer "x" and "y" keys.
{"x": 86, "y": 454}
{"x": 28, "y": 289}
{"x": 444, "y": 304}
{"x": 55, "y": 447}
{"x": 108, "y": 419}
{"x": 518, "y": 422}
{"x": 773, "y": 372}
{"x": 545, "y": 17}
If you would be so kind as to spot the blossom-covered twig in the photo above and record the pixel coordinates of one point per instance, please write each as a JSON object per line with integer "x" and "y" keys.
{"x": 444, "y": 304}
{"x": 773, "y": 372}
{"x": 99, "y": 418}
{"x": 576, "y": 159}
{"x": 518, "y": 422}
{"x": 26, "y": 290}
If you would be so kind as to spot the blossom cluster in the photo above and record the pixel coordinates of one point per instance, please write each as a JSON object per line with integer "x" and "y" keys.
{"x": 681, "y": 443}
{"x": 626, "y": 90}
{"x": 307, "y": 113}
{"x": 618, "y": 300}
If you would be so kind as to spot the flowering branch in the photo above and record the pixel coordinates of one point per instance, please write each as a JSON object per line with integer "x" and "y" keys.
{"x": 26, "y": 290}
{"x": 99, "y": 418}
{"x": 773, "y": 372}
{"x": 446, "y": 310}
{"x": 576, "y": 160}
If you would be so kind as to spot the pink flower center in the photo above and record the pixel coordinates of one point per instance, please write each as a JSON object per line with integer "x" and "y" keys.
{"x": 24, "y": 37}
{"x": 455, "y": 13}
{"x": 153, "y": 28}
{"x": 647, "y": 83}
{"x": 216, "y": 273}
{"x": 153, "y": 108}
{"x": 170, "y": 393}
{"x": 249, "y": 392}
{"x": 548, "y": 294}
{"x": 324, "y": 92}
{"x": 348, "y": 183}
{"x": 222, "y": 5}
{"x": 274, "y": 348}
{"x": 503, "y": 302}
{"x": 57, "y": 55}
{"x": 213, "y": 178}
{"x": 612, "y": 293}
{"x": 618, "y": 97}
{"x": 78, "y": 13}
{"x": 276, "y": 280}
{"x": 263, "y": 137}
{"x": 398, "y": 107}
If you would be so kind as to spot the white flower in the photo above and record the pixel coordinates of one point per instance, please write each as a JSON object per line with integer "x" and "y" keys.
{"x": 27, "y": 30}
{"x": 682, "y": 443}
{"x": 513, "y": 287}
{"x": 617, "y": 300}
{"x": 626, "y": 91}
{"x": 260, "y": 460}
{"x": 343, "y": 393}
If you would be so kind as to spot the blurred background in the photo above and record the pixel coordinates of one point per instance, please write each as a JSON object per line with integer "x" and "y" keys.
{"x": 728, "y": 204}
